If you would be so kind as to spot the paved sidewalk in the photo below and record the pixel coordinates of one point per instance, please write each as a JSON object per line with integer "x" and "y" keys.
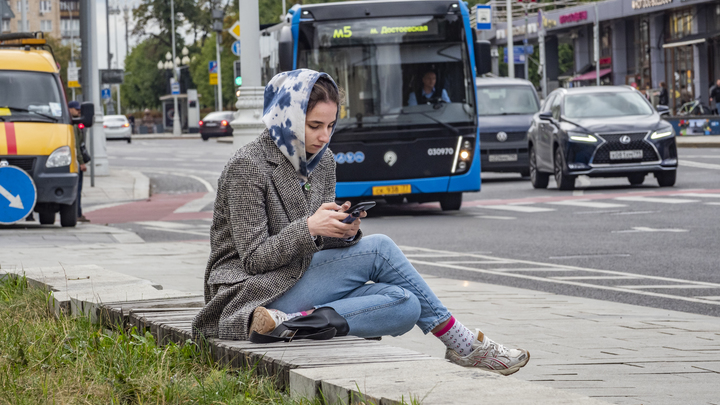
{"x": 699, "y": 141}
{"x": 120, "y": 186}
{"x": 619, "y": 353}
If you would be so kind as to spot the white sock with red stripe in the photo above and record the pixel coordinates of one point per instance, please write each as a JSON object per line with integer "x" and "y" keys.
{"x": 296, "y": 314}
{"x": 457, "y": 337}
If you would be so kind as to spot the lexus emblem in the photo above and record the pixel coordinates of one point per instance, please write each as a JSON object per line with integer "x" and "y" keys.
{"x": 625, "y": 139}
{"x": 390, "y": 158}
{"x": 501, "y": 136}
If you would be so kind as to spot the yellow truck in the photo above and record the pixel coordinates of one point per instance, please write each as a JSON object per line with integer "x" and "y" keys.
{"x": 36, "y": 129}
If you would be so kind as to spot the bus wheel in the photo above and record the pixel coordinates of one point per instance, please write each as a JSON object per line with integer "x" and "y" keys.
{"x": 47, "y": 217}
{"x": 451, "y": 202}
{"x": 68, "y": 214}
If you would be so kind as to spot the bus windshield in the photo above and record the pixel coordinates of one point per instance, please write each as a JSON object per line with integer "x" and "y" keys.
{"x": 396, "y": 72}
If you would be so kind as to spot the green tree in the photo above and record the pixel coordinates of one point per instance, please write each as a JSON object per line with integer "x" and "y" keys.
{"x": 144, "y": 82}
{"x": 200, "y": 73}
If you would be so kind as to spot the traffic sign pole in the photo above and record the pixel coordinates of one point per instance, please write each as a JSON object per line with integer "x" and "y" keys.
{"x": 219, "y": 74}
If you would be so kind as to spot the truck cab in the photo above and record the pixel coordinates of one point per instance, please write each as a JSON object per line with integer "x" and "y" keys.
{"x": 36, "y": 129}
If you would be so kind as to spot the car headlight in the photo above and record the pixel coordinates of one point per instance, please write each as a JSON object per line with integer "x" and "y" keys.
{"x": 60, "y": 157}
{"x": 583, "y": 138}
{"x": 662, "y": 134}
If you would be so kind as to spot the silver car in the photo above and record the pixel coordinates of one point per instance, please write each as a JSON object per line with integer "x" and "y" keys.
{"x": 117, "y": 127}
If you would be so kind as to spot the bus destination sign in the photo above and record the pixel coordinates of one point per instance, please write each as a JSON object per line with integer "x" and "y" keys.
{"x": 380, "y": 30}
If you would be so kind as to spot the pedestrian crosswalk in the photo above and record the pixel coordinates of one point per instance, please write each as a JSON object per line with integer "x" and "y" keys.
{"x": 613, "y": 202}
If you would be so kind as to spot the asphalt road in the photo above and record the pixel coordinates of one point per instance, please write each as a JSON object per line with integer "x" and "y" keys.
{"x": 608, "y": 240}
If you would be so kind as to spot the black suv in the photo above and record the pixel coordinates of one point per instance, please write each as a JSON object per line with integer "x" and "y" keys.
{"x": 506, "y": 107}
{"x": 607, "y": 131}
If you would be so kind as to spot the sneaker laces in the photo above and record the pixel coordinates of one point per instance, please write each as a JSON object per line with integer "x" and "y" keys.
{"x": 496, "y": 349}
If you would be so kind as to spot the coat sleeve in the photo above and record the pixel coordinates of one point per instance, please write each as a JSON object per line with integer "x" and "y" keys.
{"x": 259, "y": 251}
{"x": 329, "y": 196}
{"x": 78, "y": 142}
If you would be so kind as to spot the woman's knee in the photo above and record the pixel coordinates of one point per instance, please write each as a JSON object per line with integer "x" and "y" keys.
{"x": 383, "y": 243}
{"x": 408, "y": 312}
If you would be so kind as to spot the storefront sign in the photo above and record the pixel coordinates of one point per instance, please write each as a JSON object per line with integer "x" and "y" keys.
{"x": 532, "y": 28}
{"x": 640, "y": 4}
{"x": 574, "y": 17}
{"x": 548, "y": 23}
{"x": 606, "y": 61}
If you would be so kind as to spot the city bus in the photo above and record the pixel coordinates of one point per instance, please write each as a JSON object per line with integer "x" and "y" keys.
{"x": 407, "y": 130}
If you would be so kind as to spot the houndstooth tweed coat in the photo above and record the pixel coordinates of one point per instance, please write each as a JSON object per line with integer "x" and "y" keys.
{"x": 260, "y": 242}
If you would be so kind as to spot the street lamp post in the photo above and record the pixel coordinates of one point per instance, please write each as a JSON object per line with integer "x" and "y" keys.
{"x": 176, "y": 116}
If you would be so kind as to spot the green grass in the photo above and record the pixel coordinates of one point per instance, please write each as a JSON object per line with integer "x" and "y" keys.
{"x": 44, "y": 360}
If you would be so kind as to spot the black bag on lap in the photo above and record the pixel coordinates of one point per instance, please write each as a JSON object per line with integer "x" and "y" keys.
{"x": 324, "y": 323}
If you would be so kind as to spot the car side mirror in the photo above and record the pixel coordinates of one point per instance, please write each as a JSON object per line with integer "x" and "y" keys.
{"x": 87, "y": 114}
{"x": 546, "y": 116}
{"x": 662, "y": 109}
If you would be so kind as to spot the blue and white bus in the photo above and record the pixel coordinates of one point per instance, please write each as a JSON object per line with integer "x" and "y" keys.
{"x": 397, "y": 138}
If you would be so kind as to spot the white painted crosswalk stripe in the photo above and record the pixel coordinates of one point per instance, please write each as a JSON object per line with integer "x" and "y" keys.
{"x": 587, "y": 204}
{"x": 706, "y": 195}
{"x": 661, "y": 200}
{"x": 517, "y": 208}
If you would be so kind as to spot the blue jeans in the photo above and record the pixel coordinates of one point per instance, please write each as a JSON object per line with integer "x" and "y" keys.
{"x": 397, "y": 300}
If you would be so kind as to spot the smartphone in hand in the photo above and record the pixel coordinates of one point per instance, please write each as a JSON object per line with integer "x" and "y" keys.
{"x": 355, "y": 210}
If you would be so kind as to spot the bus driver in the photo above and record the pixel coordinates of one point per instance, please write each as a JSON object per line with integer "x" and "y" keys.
{"x": 428, "y": 93}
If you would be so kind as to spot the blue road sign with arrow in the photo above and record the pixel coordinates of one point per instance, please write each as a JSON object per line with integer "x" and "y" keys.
{"x": 17, "y": 194}
{"x": 212, "y": 66}
{"x": 105, "y": 94}
{"x": 236, "y": 48}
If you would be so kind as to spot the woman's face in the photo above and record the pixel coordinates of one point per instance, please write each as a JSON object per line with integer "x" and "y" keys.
{"x": 319, "y": 123}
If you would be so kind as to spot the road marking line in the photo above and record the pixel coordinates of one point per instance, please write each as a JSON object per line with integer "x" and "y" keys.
{"x": 532, "y": 269}
{"x": 202, "y": 181}
{"x": 709, "y": 195}
{"x": 430, "y": 255}
{"x": 165, "y": 224}
{"x": 196, "y": 205}
{"x": 596, "y": 278}
{"x": 517, "y": 208}
{"x": 494, "y": 217}
{"x": 713, "y": 203}
{"x": 711, "y": 298}
{"x": 591, "y": 256}
{"x": 587, "y": 204}
{"x": 478, "y": 262}
{"x": 565, "y": 266}
{"x": 179, "y": 231}
{"x": 700, "y": 165}
{"x": 662, "y": 200}
{"x": 567, "y": 282}
{"x": 664, "y": 286}
{"x": 645, "y": 229}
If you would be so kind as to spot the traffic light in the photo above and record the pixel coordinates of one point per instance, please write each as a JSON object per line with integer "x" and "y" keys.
{"x": 237, "y": 73}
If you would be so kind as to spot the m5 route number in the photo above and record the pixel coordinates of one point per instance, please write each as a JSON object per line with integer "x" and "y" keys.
{"x": 440, "y": 151}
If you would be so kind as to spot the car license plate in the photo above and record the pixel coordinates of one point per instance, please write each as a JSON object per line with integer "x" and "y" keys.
{"x": 503, "y": 158}
{"x": 389, "y": 190}
{"x": 211, "y": 124}
{"x": 626, "y": 154}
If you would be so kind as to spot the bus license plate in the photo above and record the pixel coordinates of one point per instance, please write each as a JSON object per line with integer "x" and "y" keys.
{"x": 626, "y": 154}
{"x": 503, "y": 158}
{"x": 389, "y": 190}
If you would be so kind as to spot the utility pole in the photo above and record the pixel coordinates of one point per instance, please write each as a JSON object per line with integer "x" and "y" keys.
{"x": 596, "y": 32}
{"x": 248, "y": 123}
{"x": 176, "y": 114}
{"x": 91, "y": 89}
{"x": 23, "y": 15}
{"x": 218, "y": 15}
{"x": 72, "y": 44}
{"x": 525, "y": 43}
{"x": 510, "y": 42}
{"x": 541, "y": 43}
{"x": 126, "y": 15}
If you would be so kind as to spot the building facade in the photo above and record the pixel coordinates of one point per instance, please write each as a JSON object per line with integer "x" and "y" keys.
{"x": 642, "y": 43}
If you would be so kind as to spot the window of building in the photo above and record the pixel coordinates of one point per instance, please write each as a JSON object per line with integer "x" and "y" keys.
{"x": 46, "y": 25}
{"x": 45, "y": 6}
{"x": 680, "y": 23}
{"x": 5, "y": 25}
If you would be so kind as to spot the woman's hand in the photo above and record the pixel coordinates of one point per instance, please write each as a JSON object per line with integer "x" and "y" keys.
{"x": 327, "y": 221}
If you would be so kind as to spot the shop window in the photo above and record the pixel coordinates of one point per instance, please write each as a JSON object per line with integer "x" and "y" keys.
{"x": 681, "y": 23}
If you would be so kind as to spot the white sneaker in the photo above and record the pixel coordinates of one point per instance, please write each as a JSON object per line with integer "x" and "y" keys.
{"x": 265, "y": 320}
{"x": 491, "y": 356}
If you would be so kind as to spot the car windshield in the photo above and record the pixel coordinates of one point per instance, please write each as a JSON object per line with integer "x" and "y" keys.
{"x": 218, "y": 116}
{"x": 506, "y": 100}
{"x": 600, "y": 105}
{"x": 384, "y": 63}
{"x": 30, "y": 96}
